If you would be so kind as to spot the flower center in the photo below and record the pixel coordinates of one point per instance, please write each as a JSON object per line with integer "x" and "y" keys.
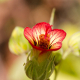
{"x": 44, "y": 41}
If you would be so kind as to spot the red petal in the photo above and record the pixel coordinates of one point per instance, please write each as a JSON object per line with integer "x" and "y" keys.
{"x": 56, "y": 46}
{"x": 57, "y": 35}
{"x": 41, "y": 28}
{"x": 38, "y": 48}
{"x": 28, "y": 34}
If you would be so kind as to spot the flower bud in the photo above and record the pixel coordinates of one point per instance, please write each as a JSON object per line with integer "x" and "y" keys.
{"x": 17, "y": 42}
{"x": 74, "y": 43}
{"x": 36, "y": 70}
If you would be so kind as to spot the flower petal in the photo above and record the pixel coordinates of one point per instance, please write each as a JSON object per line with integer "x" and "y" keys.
{"x": 41, "y": 28}
{"x": 56, "y": 35}
{"x": 28, "y": 34}
{"x": 56, "y": 46}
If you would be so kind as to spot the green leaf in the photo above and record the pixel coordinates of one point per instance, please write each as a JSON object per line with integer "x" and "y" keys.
{"x": 42, "y": 67}
{"x": 35, "y": 74}
{"x": 50, "y": 68}
{"x": 29, "y": 68}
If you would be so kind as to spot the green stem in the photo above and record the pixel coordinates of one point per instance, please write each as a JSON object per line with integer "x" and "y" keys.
{"x": 55, "y": 74}
{"x": 57, "y": 70}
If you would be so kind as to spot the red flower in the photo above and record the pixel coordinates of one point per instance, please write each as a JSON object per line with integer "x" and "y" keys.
{"x": 42, "y": 37}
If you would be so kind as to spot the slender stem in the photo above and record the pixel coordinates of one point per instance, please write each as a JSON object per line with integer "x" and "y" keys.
{"x": 52, "y": 17}
{"x": 66, "y": 53}
{"x": 55, "y": 74}
{"x": 57, "y": 70}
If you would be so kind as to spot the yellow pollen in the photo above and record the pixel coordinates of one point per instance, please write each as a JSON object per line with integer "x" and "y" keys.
{"x": 44, "y": 41}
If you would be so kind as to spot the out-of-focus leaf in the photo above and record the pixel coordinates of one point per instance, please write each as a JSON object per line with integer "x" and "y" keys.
{"x": 74, "y": 43}
{"x": 17, "y": 42}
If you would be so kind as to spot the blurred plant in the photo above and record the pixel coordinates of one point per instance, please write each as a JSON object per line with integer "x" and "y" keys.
{"x": 52, "y": 17}
{"x": 17, "y": 42}
{"x": 73, "y": 45}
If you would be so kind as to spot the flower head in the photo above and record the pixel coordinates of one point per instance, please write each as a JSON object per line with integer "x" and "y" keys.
{"x": 43, "y": 37}
{"x": 44, "y": 40}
